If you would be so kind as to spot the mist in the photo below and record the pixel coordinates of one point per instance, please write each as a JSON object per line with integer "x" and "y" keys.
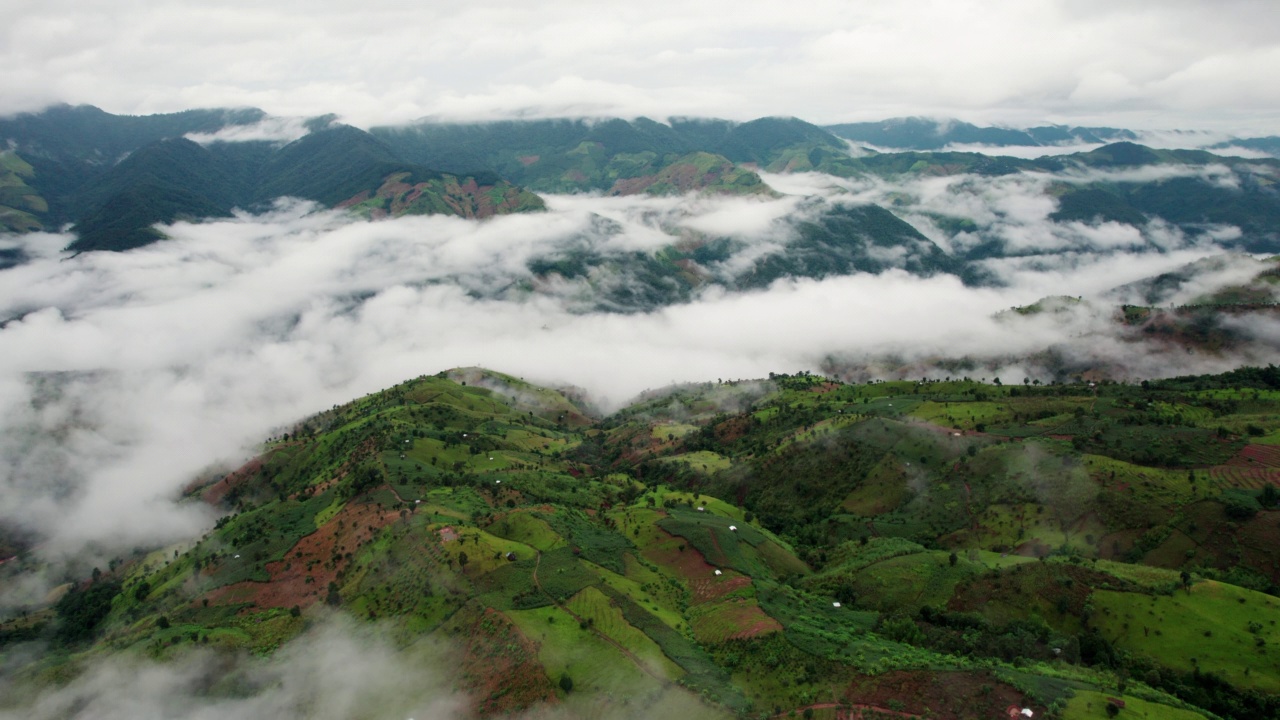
{"x": 125, "y": 375}
{"x": 337, "y": 669}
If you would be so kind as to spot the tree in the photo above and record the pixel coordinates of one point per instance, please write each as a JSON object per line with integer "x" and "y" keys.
{"x": 952, "y": 559}
{"x": 566, "y": 683}
{"x": 463, "y": 560}
{"x": 1270, "y": 496}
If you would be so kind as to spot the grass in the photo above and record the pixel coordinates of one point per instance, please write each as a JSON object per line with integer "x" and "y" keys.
{"x": 703, "y": 461}
{"x": 1088, "y": 705}
{"x": 672, "y": 430}
{"x": 525, "y": 528}
{"x": 605, "y": 617}
{"x": 659, "y": 595}
{"x": 710, "y": 505}
{"x": 564, "y": 648}
{"x": 1211, "y": 624}
{"x": 906, "y": 583}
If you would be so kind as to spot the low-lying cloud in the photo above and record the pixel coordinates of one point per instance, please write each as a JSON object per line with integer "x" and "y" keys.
{"x": 123, "y": 375}
{"x": 337, "y": 670}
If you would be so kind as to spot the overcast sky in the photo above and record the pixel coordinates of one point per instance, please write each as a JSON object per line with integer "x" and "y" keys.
{"x": 1134, "y": 63}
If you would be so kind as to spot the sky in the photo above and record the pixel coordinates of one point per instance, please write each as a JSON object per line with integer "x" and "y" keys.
{"x": 1143, "y": 64}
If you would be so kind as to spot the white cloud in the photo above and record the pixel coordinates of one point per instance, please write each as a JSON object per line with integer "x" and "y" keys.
{"x": 123, "y": 375}
{"x": 1192, "y": 64}
{"x": 336, "y": 670}
{"x": 270, "y": 129}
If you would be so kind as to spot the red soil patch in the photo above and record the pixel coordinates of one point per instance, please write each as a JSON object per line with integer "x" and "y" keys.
{"x": 323, "y": 551}
{"x": 527, "y": 160}
{"x": 1255, "y": 458}
{"x": 1249, "y": 477}
{"x": 215, "y": 493}
{"x": 355, "y": 199}
{"x": 733, "y": 428}
{"x": 692, "y": 567}
{"x": 736, "y": 619}
{"x": 1252, "y": 468}
{"x": 1258, "y": 540}
{"x": 1026, "y": 585}
{"x": 448, "y": 534}
{"x": 716, "y": 586}
{"x": 963, "y": 695}
{"x": 500, "y": 668}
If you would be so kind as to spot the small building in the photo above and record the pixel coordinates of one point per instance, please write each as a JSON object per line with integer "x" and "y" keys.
{"x": 511, "y": 557}
{"x": 717, "y": 572}
{"x": 733, "y": 528}
{"x": 835, "y": 604}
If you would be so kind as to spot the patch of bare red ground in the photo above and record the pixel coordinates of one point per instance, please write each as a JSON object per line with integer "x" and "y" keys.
{"x": 527, "y": 160}
{"x": 355, "y": 199}
{"x": 500, "y": 669}
{"x": 323, "y": 550}
{"x": 632, "y": 186}
{"x": 1252, "y": 456}
{"x": 691, "y": 566}
{"x": 737, "y": 619}
{"x": 448, "y": 534}
{"x": 824, "y": 388}
{"x": 960, "y": 695}
{"x": 1257, "y": 540}
{"x": 732, "y": 429}
{"x": 394, "y": 186}
{"x": 215, "y": 493}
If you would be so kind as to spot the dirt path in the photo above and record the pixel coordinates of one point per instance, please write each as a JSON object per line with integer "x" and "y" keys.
{"x": 630, "y": 655}
{"x": 716, "y": 541}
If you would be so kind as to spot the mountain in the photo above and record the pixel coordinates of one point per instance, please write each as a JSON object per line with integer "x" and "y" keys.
{"x": 1122, "y": 182}
{"x": 820, "y": 240}
{"x": 1269, "y": 145}
{"x": 946, "y": 549}
{"x": 116, "y": 177}
{"x": 916, "y": 133}
{"x": 614, "y": 156}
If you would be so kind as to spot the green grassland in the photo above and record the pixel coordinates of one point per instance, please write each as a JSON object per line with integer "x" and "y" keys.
{"x": 748, "y": 562}
{"x": 1219, "y": 628}
{"x": 1087, "y": 705}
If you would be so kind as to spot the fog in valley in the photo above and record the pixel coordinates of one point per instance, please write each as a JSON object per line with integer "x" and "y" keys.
{"x": 125, "y": 376}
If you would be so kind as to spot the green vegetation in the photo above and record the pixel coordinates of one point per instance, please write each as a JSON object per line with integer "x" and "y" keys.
{"x": 823, "y": 544}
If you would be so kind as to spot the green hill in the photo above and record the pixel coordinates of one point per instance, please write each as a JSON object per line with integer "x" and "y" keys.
{"x": 615, "y": 155}
{"x": 932, "y": 548}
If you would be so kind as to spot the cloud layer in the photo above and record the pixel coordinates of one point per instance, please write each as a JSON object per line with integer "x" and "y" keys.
{"x": 124, "y": 375}
{"x": 335, "y": 671}
{"x": 1129, "y": 62}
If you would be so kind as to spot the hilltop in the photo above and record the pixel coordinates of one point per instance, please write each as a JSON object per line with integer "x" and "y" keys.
{"x": 945, "y": 549}
{"x": 115, "y": 178}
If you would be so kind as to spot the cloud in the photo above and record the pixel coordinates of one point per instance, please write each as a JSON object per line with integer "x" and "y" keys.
{"x": 124, "y": 375}
{"x": 270, "y": 129}
{"x": 335, "y": 670}
{"x": 383, "y": 62}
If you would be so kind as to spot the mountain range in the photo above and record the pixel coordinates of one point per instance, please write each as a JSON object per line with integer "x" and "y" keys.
{"x": 114, "y": 179}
